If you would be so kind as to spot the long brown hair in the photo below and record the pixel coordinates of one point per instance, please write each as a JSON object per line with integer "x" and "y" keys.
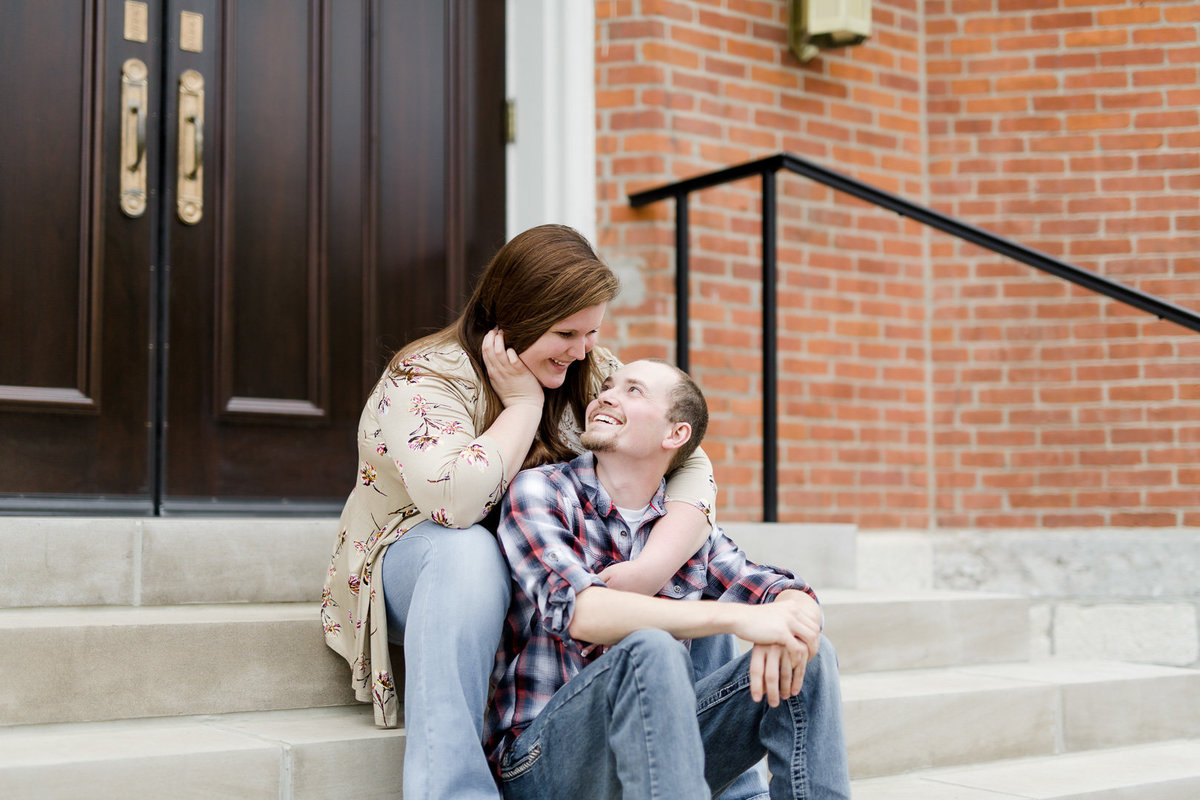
{"x": 538, "y": 278}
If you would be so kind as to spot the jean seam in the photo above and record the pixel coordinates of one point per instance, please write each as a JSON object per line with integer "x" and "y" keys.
{"x": 723, "y": 693}
{"x": 799, "y": 720}
{"x": 423, "y": 689}
{"x": 647, "y": 730}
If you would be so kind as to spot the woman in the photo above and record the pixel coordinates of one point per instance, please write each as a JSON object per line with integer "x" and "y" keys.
{"x": 452, "y": 420}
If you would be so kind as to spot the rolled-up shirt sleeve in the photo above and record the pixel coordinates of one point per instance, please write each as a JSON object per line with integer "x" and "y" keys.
{"x": 537, "y": 537}
{"x": 732, "y": 577}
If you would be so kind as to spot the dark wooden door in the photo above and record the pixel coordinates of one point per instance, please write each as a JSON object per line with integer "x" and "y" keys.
{"x": 323, "y": 179}
{"x": 77, "y": 315}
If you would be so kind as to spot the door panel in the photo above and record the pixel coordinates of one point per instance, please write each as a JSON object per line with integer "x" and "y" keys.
{"x": 331, "y": 231}
{"x": 75, "y": 282}
{"x": 250, "y": 374}
{"x": 349, "y": 162}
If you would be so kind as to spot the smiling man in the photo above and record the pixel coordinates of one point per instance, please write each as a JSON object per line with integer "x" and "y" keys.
{"x": 595, "y": 697}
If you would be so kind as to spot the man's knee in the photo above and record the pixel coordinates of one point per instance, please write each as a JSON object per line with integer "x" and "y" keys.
{"x": 657, "y": 652}
{"x": 826, "y": 659}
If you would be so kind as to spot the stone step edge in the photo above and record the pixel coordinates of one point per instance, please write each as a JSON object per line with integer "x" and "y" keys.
{"x": 119, "y": 613}
{"x": 903, "y": 721}
{"x": 288, "y": 755}
{"x": 27, "y": 745}
{"x": 58, "y": 747}
{"x": 1001, "y": 676}
{"x": 181, "y": 614}
{"x": 1172, "y": 767}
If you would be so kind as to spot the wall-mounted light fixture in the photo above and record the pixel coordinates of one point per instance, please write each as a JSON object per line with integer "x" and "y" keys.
{"x": 815, "y": 25}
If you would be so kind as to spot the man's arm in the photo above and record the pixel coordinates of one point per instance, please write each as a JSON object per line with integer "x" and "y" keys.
{"x": 781, "y": 630}
{"x": 606, "y": 616}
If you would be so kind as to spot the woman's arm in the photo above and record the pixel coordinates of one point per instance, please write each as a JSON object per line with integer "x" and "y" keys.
{"x": 514, "y": 430}
{"x": 452, "y": 472}
{"x": 691, "y": 494}
{"x": 672, "y": 541}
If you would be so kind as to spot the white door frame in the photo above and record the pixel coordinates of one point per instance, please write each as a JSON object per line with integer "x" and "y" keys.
{"x": 551, "y": 167}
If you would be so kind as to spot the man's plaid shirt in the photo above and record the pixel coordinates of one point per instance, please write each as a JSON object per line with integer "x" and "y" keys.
{"x": 558, "y": 528}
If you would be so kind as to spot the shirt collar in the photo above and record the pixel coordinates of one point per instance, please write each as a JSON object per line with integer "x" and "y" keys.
{"x": 584, "y": 467}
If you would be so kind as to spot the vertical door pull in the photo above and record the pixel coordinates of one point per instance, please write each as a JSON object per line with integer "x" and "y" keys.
{"x": 189, "y": 168}
{"x": 134, "y": 93}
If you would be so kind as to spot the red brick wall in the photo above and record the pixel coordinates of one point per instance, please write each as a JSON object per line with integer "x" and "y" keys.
{"x": 921, "y": 383}
{"x": 1073, "y": 127}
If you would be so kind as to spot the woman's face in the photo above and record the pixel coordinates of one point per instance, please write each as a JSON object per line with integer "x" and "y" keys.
{"x": 568, "y": 340}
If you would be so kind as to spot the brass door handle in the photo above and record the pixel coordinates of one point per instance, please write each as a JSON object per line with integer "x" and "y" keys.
{"x": 189, "y": 170}
{"x": 134, "y": 93}
{"x": 197, "y": 124}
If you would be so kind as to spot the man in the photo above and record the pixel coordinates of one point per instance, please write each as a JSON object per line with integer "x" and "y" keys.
{"x": 594, "y": 696}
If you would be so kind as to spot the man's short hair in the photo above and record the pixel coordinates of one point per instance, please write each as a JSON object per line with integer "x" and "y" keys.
{"x": 687, "y": 404}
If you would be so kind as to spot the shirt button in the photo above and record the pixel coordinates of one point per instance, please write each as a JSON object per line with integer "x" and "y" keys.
{"x": 624, "y": 533}
{"x": 552, "y": 555}
{"x": 677, "y": 589}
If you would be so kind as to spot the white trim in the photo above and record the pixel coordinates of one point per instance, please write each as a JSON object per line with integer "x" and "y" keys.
{"x": 551, "y": 168}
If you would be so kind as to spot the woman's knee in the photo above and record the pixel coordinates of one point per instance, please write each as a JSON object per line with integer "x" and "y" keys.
{"x": 466, "y": 570}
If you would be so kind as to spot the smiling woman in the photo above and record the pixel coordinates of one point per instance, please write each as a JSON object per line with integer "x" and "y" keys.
{"x": 566, "y": 342}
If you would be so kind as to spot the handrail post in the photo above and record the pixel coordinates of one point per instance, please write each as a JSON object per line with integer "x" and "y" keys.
{"x": 682, "y": 283}
{"x": 770, "y": 445}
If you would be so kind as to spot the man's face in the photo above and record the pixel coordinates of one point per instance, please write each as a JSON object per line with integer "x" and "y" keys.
{"x": 630, "y": 414}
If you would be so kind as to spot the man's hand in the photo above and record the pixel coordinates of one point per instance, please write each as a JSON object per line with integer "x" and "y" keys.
{"x": 793, "y": 621}
{"x": 775, "y": 673}
{"x": 786, "y": 635}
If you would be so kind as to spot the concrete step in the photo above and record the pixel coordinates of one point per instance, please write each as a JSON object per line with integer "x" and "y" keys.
{"x": 301, "y": 754}
{"x": 920, "y": 719}
{"x": 824, "y": 554}
{"x": 290, "y": 755}
{"x": 1159, "y": 771}
{"x": 97, "y": 663}
{"x": 876, "y": 630}
{"x": 78, "y": 561}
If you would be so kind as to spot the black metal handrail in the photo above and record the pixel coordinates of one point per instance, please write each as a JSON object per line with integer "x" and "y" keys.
{"x": 766, "y": 168}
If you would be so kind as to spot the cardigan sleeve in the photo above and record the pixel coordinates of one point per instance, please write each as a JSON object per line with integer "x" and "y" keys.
{"x": 427, "y": 419}
{"x": 692, "y": 482}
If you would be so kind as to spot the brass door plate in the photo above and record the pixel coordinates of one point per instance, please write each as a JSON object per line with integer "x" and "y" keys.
{"x": 137, "y": 21}
{"x": 191, "y": 31}
{"x": 134, "y": 98}
{"x": 189, "y": 162}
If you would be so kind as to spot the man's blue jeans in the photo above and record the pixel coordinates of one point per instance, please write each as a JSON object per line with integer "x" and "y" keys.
{"x": 709, "y": 654}
{"x": 633, "y": 724}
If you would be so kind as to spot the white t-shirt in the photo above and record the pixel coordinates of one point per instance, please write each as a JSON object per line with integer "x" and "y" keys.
{"x": 633, "y": 516}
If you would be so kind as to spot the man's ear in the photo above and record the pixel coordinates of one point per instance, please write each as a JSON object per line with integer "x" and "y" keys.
{"x": 680, "y": 434}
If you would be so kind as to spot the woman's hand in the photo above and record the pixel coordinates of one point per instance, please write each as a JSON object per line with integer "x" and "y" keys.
{"x": 511, "y": 379}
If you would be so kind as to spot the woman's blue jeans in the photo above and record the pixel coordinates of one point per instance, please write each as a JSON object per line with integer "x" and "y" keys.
{"x": 632, "y": 724}
{"x": 447, "y": 593}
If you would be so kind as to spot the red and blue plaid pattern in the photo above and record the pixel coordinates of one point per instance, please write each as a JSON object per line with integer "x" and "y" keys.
{"x": 558, "y": 529}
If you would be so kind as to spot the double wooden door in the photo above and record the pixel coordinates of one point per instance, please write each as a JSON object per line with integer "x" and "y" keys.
{"x": 217, "y": 219}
